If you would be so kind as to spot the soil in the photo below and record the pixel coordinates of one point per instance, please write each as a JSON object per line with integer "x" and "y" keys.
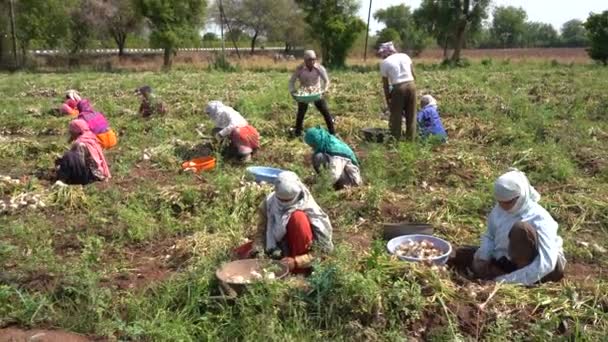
{"x": 146, "y": 265}
{"x": 39, "y": 335}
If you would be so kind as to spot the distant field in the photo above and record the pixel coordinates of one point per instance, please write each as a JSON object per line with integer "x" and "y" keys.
{"x": 134, "y": 259}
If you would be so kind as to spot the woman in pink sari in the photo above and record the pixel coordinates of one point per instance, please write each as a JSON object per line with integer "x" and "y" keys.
{"x": 85, "y": 162}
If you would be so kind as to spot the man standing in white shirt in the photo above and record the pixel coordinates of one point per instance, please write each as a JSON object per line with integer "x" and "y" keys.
{"x": 311, "y": 75}
{"x": 397, "y": 70}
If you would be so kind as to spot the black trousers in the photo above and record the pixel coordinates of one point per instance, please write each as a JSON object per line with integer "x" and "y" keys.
{"x": 323, "y": 109}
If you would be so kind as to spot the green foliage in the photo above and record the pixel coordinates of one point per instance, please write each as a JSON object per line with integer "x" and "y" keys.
{"x": 540, "y": 35}
{"x": 400, "y": 19}
{"x": 335, "y": 24}
{"x": 509, "y": 26}
{"x": 46, "y": 22}
{"x": 597, "y": 28}
{"x": 174, "y": 23}
{"x": 573, "y": 34}
{"x": 387, "y": 35}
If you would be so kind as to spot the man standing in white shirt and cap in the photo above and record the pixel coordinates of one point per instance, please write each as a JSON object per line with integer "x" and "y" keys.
{"x": 397, "y": 71}
{"x": 311, "y": 75}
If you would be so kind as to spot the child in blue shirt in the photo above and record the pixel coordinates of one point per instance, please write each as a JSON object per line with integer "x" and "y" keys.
{"x": 429, "y": 122}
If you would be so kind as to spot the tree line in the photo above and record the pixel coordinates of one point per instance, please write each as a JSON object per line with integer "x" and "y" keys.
{"x": 332, "y": 25}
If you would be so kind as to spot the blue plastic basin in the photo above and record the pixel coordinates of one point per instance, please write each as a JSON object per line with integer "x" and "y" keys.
{"x": 440, "y": 244}
{"x": 264, "y": 174}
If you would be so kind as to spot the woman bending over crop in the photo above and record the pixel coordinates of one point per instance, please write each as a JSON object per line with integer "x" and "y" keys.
{"x": 521, "y": 244}
{"x": 429, "y": 121}
{"x": 332, "y": 153}
{"x": 98, "y": 124}
{"x": 310, "y": 75}
{"x": 291, "y": 222}
{"x": 150, "y": 103}
{"x": 69, "y": 107}
{"x": 84, "y": 163}
{"x": 230, "y": 124}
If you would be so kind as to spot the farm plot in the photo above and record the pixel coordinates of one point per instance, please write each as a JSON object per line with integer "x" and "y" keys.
{"x": 135, "y": 258}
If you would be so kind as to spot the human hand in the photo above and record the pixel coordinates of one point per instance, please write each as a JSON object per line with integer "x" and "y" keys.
{"x": 290, "y": 262}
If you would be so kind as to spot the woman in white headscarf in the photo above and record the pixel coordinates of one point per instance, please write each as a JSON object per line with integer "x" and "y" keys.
{"x": 291, "y": 222}
{"x": 429, "y": 120}
{"x": 230, "y": 124}
{"x": 521, "y": 244}
{"x": 69, "y": 107}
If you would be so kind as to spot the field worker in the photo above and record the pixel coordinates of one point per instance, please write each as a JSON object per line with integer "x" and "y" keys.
{"x": 150, "y": 103}
{"x": 230, "y": 124}
{"x": 291, "y": 223}
{"x": 429, "y": 121}
{"x": 311, "y": 75}
{"x": 397, "y": 70}
{"x": 69, "y": 107}
{"x": 332, "y": 153}
{"x": 521, "y": 244}
{"x": 85, "y": 162}
{"x": 98, "y": 124}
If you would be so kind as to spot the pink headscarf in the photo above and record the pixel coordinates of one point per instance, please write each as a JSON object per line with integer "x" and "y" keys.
{"x": 87, "y": 138}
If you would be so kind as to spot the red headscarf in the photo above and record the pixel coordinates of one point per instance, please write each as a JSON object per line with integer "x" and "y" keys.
{"x": 81, "y": 128}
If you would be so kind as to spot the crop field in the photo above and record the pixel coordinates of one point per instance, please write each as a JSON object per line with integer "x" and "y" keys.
{"x": 134, "y": 258}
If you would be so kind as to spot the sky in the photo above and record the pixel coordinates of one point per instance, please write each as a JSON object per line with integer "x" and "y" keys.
{"x": 555, "y": 12}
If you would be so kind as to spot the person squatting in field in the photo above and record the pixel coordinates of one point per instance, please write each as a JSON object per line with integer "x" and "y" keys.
{"x": 69, "y": 106}
{"x": 397, "y": 70}
{"x": 98, "y": 124}
{"x": 521, "y": 244}
{"x": 311, "y": 75}
{"x": 230, "y": 124}
{"x": 291, "y": 222}
{"x": 150, "y": 103}
{"x": 84, "y": 162}
{"x": 429, "y": 121}
{"x": 329, "y": 152}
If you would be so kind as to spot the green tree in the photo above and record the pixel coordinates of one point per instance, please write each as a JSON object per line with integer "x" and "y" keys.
{"x": 42, "y": 23}
{"x": 436, "y": 19}
{"x": 597, "y": 31}
{"x": 114, "y": 18}
{"x": 540, "y": 35}
{"x": 574, "y": 34}
{"x": 335, "y": 24}
{"x": 174, "y": 23}
{"x": 400, "y": 19}
{"x": 387, "y": 34}
{"x": 509, "y": 26}
{"x": 256, "y": 17}
{"x": 468, "y": 14}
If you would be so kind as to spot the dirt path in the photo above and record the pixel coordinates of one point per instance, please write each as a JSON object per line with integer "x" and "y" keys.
{"x": 39, "y": 335}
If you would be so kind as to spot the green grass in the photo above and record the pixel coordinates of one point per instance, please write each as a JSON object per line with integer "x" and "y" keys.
{"x": 64, "y": 266}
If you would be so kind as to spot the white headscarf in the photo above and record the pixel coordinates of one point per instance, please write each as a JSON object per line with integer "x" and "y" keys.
{"x": 73, "y": 95}
{"x": 386, "y": 49}
{"x": 515, "y": 184}
{"x": 225, "y": 117}
{"x": 310, "y": 54}
{"x": 289, "y": 187}
{"x": 428, "y": 100}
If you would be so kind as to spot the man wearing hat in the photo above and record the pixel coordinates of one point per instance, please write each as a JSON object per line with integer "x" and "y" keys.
{"x": 310, "y": 75}
{"x": 397, "y": 71}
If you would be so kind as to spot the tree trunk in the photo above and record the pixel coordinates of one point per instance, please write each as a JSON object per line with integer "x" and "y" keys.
{"x": 286, "y": 48}
{"x": 253, "y": 39}
{"x": 445, "y": 48}
{"x": 121, "y": 40}
{"x": 168, "y": 58}
{"x": 460, "y": 35}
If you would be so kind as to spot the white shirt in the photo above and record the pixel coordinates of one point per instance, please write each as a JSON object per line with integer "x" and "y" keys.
{"x": 309, "y": 77}
{"x": 397, "y": 68}
{"x": 495, "y": 243}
